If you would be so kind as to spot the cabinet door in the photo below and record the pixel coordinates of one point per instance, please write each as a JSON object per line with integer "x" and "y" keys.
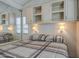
{"x": 70, "y": 8}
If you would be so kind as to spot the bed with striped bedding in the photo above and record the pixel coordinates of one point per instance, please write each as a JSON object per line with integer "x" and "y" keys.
{"x": 32, "y": 49}
{"x": 37, "y": 46}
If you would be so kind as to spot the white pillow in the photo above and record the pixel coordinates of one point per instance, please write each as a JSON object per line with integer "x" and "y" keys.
{"x": 59, "y": 39}
{"x": 36, "y": 36}
{"x": 43, "y": 37}
{"x": 49, "y": 38}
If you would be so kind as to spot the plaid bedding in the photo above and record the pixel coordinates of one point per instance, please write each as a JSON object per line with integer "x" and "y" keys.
{"x": 31, "y": 49}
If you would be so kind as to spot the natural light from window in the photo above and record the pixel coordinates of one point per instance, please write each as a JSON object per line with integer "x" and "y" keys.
{"x": 18, "y": 25}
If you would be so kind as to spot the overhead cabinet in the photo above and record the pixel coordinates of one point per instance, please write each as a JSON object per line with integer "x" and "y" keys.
{"x": 64, "y": 10}
{"x": 38, "y": 14}
{"x": 58, "y": 10}
{"x": 53, "y": 10}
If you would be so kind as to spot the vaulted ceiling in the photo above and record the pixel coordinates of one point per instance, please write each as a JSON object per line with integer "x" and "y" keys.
{"x": 16, "y": 3}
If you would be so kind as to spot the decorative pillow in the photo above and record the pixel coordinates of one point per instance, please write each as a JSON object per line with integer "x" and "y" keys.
{"x": 38, "y": 37}
{"x": 59, "y": 39}
{"x": 43, "y": 37}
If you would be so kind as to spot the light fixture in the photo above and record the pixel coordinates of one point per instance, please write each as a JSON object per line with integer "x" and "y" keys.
{"x": 10, "y": 28}
{"x": 35, "y": 28}
{"x": 1, "y": 28}
{"x": 61, "y": 27}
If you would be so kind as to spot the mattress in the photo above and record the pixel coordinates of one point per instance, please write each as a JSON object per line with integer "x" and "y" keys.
{"x": 33, "y": 49}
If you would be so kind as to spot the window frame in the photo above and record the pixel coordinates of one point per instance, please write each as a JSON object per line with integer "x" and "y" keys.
{"x": 19, "y": 24}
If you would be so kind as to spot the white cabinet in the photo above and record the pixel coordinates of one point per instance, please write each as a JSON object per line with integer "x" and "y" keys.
{"x": 58, "y": 10}
{"x": 70, "y": 10}
{"x": 64, "y": 10}
{"x": 37, "y": 14}
{"x": 53, "y": 10}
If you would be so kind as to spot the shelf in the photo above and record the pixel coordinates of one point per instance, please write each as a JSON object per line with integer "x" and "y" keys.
{"x": 59, "y": 11}
{"x": 57, "y": 16}
{"x": 37, "y": 10}
{"x": 58, "y": 6}
{"x": 37, "y": 14}
{"x": 38, "y": 18}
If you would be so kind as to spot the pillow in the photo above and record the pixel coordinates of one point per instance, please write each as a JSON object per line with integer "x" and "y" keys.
{"x": 59, "y": 39}
{"x": 36, "y": 37}
{"x": 49, "y": 38}
{"x": 43, "y": 37}
{"x": 30, "y": 37}
{"x": 2, "y": 34}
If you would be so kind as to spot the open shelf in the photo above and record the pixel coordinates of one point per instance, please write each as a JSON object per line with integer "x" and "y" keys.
{"x": 58, "y": 10}
{"x": 38, "y": 14}
{"x": 37, "y": 10}
{"x": 38, "y": 18}
{"x": 58, "y": 16}
{"x": 4, "y": 19}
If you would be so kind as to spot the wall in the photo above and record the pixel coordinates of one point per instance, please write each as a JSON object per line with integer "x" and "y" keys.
{"x": 70, "y": 30}
{"x": 69, "y": 34}
{"x": 77, "y": 35}
{"x": 12, "y": 13}
{"x": 47, "y": 12}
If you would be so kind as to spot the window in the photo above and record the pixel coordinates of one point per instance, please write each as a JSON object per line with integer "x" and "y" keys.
{"x": 25, "y": 25}
{"x": 18, "y": 25}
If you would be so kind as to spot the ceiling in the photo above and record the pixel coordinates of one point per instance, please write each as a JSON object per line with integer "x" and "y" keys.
{"x": 16, "y": 3}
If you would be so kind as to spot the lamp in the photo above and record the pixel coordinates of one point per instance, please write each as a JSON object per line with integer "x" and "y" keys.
{"x": 35, "y": 28}
{"x": 61, "y": 27}
{"x": 1, "y": 28}
{"x": 10, "y": 28}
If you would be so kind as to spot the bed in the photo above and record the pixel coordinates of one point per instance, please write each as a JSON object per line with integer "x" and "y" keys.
{"x": 34, "y": 49}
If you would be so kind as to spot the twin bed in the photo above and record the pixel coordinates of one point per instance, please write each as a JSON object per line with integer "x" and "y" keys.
{"x": 34, "y": 49}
